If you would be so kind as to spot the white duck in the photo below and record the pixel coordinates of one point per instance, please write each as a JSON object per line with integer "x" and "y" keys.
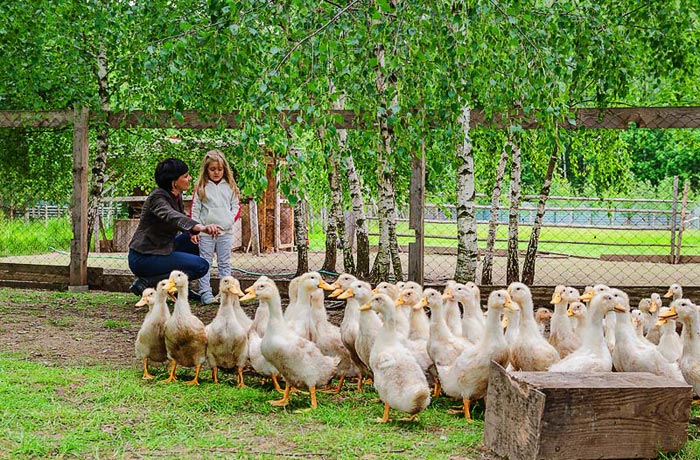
{"x": 299, "y": 319}
{"x": 593, "y": 355}
{"x": 644, "y": 308}
{"x": 418, "y": 345}
{"x": 468, "y": 377}
{"x": 370, "y": 324}
{"x": 472, "y": 324}
{"x": 392, "y": 291}
{"x": 418, "y": 321}
{"x": 632, "y": 354}
{"x": 327, "y": 337}
{"x": 687, "y": 313}
{"x": 610, "y": 318}
{"x": 472, "y": 286}
{"x": 562, "y": 335}
{"x": 638, "y": 322}
{"x": 511, "y": 324}
{"x": 257, "y": 331}
{"x": 299, "y": 360}
{"x": 650, "y": 307}
{"x": 412, "y": 285}
{"x": 291, "y": 311}
{"x": 451, "y": 308}
{"x": 543, "y": 317}
{"x": 398, "y": 378}
{"x": 675, "y": 292}
{"x": 241, "y": 315}
{"x": 577, "y": 315}
{"x": 185, "y": 337}
{"x": 387, "y": 288}
{"x": 531, "y": 351}
{"x": 443, "y": 346}
{"x": 350, "y": 325}
{"x": 150, "y": 340}
{"x": 227, "y": 338}
{"x": 670, "y": 344}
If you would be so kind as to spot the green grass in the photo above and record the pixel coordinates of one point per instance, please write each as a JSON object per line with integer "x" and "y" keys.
{"x": 36, "y": 237}
{"x": 19, "y": 237}
{"x": 95, "y": 412}
{"x": 573, "y": 241}
{"x": 114, "y": 324}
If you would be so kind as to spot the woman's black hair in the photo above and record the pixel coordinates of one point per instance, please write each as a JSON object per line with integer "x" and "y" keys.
{"x": 168, "y": 171}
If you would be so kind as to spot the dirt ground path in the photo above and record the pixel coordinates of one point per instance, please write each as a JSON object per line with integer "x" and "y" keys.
{"x": 83, "y": 329}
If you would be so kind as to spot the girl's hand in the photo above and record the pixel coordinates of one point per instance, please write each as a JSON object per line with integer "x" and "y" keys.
{"x": 194, "y": 239}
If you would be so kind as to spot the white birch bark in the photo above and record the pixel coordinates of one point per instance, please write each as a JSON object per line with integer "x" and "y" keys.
{"x": 301, "y": 227}
{"x": 330, "y": 223}
{"x": 348, "y": 260}
{"x": 467, "y": 248}
{"x": 386, "y": 215}
{"x": 531, "y": 254}
{"x": 98, "y": 170}
{"x": 513, "y": 268}
{"x": 358, "y": 216}
{"x": 487, "y": 269}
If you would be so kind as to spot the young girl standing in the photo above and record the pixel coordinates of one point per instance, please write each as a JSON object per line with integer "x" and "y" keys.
{"x": 216, "y": 201}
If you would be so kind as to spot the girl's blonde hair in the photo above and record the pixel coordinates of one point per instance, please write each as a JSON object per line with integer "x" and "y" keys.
{"x": 203, "y": 180}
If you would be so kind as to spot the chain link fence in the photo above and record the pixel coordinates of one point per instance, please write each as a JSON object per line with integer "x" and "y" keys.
{"x": 620, "y": 242}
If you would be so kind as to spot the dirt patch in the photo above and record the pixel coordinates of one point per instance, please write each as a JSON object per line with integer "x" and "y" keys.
{"x": 67, "y": 332}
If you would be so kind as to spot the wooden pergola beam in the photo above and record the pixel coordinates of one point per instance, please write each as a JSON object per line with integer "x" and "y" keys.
{"x": 610, "y": 118}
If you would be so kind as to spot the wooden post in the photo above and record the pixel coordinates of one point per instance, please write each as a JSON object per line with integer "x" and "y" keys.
{"x": 415, "y": 217}
{"x": 681, "y": 225}
{"x": 674, "y": 213}
{"x": 254, "y": 228}
{"x": 78, "y": 281}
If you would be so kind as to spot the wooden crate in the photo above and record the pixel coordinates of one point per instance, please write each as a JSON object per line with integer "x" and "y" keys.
{"x": 613, "y": 415}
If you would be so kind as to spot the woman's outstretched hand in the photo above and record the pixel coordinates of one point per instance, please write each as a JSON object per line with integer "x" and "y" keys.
{"x": 211, "y": 229}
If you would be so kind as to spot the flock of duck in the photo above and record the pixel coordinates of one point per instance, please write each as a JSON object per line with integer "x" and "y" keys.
{"x": 387, "y": 336}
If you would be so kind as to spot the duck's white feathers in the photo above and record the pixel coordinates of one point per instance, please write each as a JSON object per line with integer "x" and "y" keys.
{"x": 150, "y": 340}
{"x": 185, "y": 336}
{"x": 398, "y": 378}
{"x": 227, "y": 338}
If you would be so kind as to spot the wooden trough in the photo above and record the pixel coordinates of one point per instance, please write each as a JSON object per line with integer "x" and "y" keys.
{"x": 581, "y": 416}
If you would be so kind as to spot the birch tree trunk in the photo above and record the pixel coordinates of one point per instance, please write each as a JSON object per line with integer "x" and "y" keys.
{"x": 531, "y": 255}
{"x": 513, "y": 269}
{"x": 330, "y": 258}
{"x": 487, "y": 269}
{"x": 387, "y": 250}
{"x": 358, "y": 215}
{"x": 393, "y": 240}
{"x": 345, "y": 247}
{"x": 301, "y": 223}
{"x": 467, "y": 248}
{"x": 301, "y": 233}
{"x": 99, "y": 166}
